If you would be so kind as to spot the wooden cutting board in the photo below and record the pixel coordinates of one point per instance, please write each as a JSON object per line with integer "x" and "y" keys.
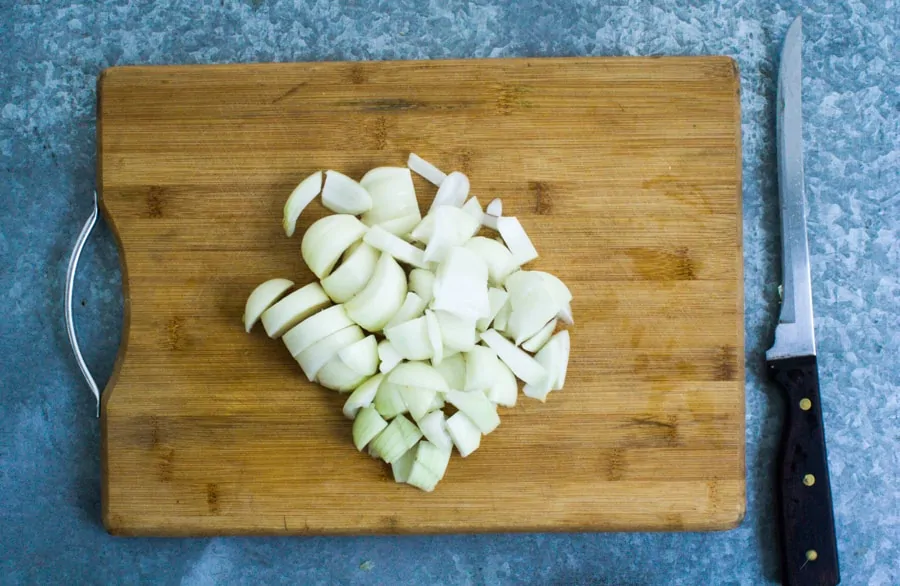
{"x": 626, "y": 173}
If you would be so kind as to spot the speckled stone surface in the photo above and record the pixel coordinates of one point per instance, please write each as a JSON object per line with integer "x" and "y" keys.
{"x": 50, "y": 531}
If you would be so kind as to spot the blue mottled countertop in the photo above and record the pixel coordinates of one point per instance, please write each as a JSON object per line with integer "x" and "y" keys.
{"x": 52, "y": 54}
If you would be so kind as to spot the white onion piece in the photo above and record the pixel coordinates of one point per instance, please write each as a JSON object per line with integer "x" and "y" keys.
{"x": 516, "y": 240}
{"x": 337, "y": 376}
{"x": 461, "y": 285}
{"x": 418, "y": 374}
{"x": 501, "y": 320}
{"x": 262, "y": 298}
{"x": 403, "y": 466}
{"x": 313, "y": 329}
{"x": 564, "y": 341}
{"x": 496, "y": 256}
{"x": 557, "y": 288}
{"x": 489, "y": 221}
{"x": 465, "y": 434}
{"x": 293, "y": 309}
{"x": 411, "y": 339}
{"x": 343, "y": 195}
{"x": 505, "y": 389}
{"x": 388, "y": 356}
{"x": 397, "y": 438}
{"x": 388, "y": 401}
{"x": 353, "y": 274}
{"x": 473, "y": 208}
{"x": 532, "y": 304}
{"x": 393, "y": 195}
{"x": 495, "y": 208}
{"x": 413, "y": 307}
{"x": 434, "y": 338}
{"x": 362, "y": 396}
{"x": 537, "y": 341}
{"x": 421, "y": 282}
{"x": 418, "y": 400}
{"x": 523, "y": 366}
{"x": 401, "y": 226}
{"x": 367, "y": 425}
{"x": 438, "y": 402}
{"x": 457, "y": 333}
{"x": 361, "y": 356}
{"x": 565, "y": 314}
{"x": 400, "y": 249}
{"x": 423, "y": 168}
{"x": 434, "y": 428}
{"x": 477, "y": 407}
{"x": 315, "y": 357}
{"x": 453, "y": 369}
{"x": 497, "y": 299}
{"x": 301, "y": 197}
{"x": 327, "y": 239}
{"x": 481, "y": 366}
{"x": 453, "y": 191}
{"x": 377, "y": 303}
{"x": 452, "y": 227}
{"x": 554, "y": 357}
{"x": 429, "y": 466}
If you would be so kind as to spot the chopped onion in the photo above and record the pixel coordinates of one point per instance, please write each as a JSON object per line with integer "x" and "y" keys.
{"x": 411, "y": 339}
{"x": 523, "y": 366}
{"x": 537, "y": 341}
{"x": 388, "y": 356}
{"x": 501, "y": 320}
{"x": 343, "y": 195}
{"x": 401, "y": 226}
{"x": 434, "y": 337}
{"x": 473, "y": 208}
{"x": 505, "y": 389}
{"x": 481, "y": 366}
{"x": 327, "y": 239}
{"x": 293, "y": 309}
{"x": 452, "y": 227}
{"x": 557, "y": 288}
{"x": 457, "y": 333}
{"x": 400, "y": 249}
{"x": 477, "y": 407}
{"x": 418, "y": 374}
{"x": 461, "y": 285}
{"x": 453, "y": 369}
{"x": 465, "y": 434}
{"x": 495, "y": 208}
{"x": 361, "y": 356}
{"x": 516, "y": 240}
{"x": 423, "y": 168}
{"x": 353, "y": 274}
{"x": 554, "y": 357}
{"x": 388, "y": 401}
{"x": 262, "y": 298}
{"x": 497, "y": 299}
{"x": 489, "y": 221}
{"x": 315, "y": 328}
{"x": 403, "y": 465}
{"x": 532, "y": 304}
{"x": 496, "y": 256}
{"x": 421, "y": 282}
{"x": 565, "y": 314}
{"x": 393, "y": 195}
{"x": 337, "y": 376}
{"x": 413, "y": 307}
{"x": 418, "y": 400}
{"x": 362, "y": 396}
{"x": 453, "y": 191}
{"x": 397, "y": 438}
{"x": 429, "y": 466}
{"x": 434, "y": 428}
{"x": 301, "y": 197}
{"x": 316, "y": 356}
{"x": 562, "y": 338}
{"x": 377, "y": 303}
{"x": 367, "y": 425}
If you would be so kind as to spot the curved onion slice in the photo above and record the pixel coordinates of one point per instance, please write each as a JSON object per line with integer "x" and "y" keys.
{"x": 453, "y": 369}
{"x": 396, "y": 439}
{"x": 377, "y": 303}
{"x": 403, "y": 466}
{"x": 452, "y": 227}
{"x": 293, "y": 309}
{"x": 413, "y": 307}
{"x": 501, "y": 320}
{"x": 457, "y": 333}
{"x": 421, "y": 282}
{"x": 473, "y": 208}
{"x": 393, "y": 195}
{"x": 362, "y": 356}
{"x": 301, "y": 197}
{"x": 565, "y": 314}
{"x": 327, "y": 239}
{"x": 496, "y": 256}
{"x": 497, "y": 299}
{"x": 388, "y": 356}
{"x": 537, "y": 341}
{"x": 429, "y": 466}
{"x": 411, "y": 339}
{"x": 380, "y": 239}
{"x": 554, "y": 357}
{"x": 465, "y": 434}
{"x": 523, "y": 366}
{"x": 262, "y": 298}
{"x": 315, "y": 328}
{"x": 417, "y": 399}
{"x": 557, "y": 288}
{"x": 362, "y": 396}
{"x": 367, "y": 425}
{"x": 353, "y": 274}
{"x": 461, "y": 285}
{"x": 401, "y": 226}
{"x": 316, "y": 356}
{"x": 505, "y": 389}
{"x": 418, "y": 374}
{"x": 388, "y": 401}
{"x": 495, "y": 208}
{"x": 337, "y": 376}
{"x": 532, "y": 304}
{"x": 481, "y": 366}
{"x": 453, "y": 191}
{"x": 343, "y": 195}
{"x": 429, "y": 172}
{"x": 516, "y": 240}
{"x": 477, "y": 407}
{"x": 434, "y": 338}
{"x": 434, "y": 428}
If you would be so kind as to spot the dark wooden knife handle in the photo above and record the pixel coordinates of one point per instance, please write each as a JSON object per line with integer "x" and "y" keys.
{"x": 809, "y": 546}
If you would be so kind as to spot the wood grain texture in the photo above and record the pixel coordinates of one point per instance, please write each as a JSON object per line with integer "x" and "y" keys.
{"x": 626, "y": 172}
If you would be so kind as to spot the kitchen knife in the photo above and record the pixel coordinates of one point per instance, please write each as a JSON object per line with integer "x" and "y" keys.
{"x": 809, "y": 547}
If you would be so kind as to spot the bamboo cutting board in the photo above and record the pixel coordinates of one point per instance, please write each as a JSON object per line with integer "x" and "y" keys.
{"x": 625, "y": 172}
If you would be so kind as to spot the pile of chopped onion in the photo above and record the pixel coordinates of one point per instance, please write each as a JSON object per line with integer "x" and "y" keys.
{"x": 426, "y": 322}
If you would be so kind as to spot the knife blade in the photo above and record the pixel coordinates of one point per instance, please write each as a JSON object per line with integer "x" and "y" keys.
{"x": 809, "y": 543}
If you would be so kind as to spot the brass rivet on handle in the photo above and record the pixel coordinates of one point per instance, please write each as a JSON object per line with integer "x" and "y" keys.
{"x": 812, "y": 555}
{"x": 809, "y": 480}
{"x": 805, "y": 404}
